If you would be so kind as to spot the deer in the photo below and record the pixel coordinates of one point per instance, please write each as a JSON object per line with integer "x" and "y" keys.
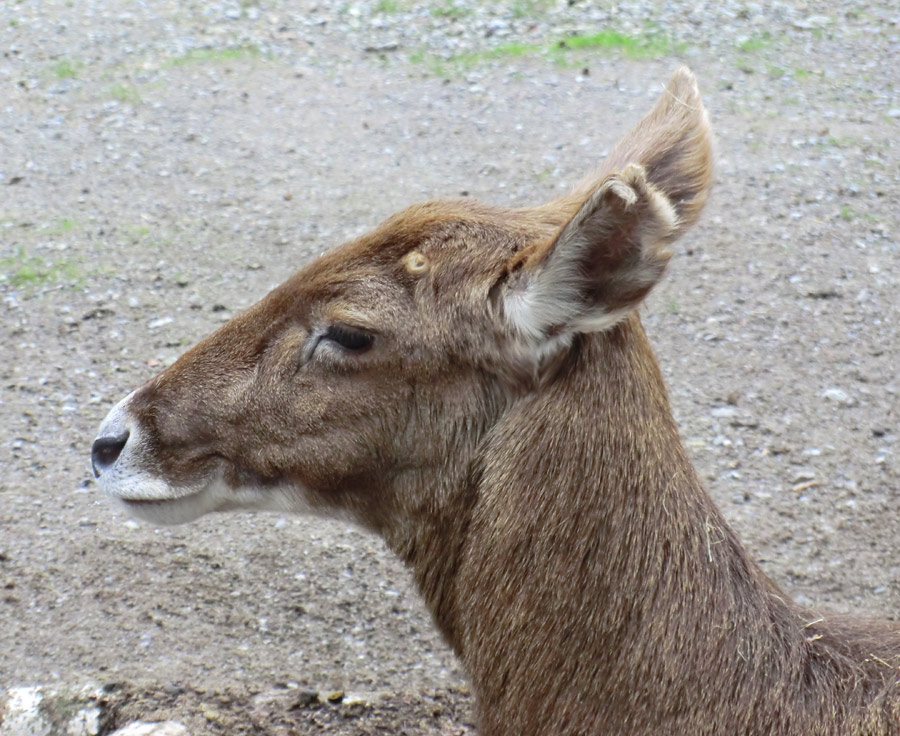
{"x": 473, "y": 384}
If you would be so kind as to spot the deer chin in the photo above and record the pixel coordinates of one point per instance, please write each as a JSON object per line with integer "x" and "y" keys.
{"x": 176, "y": 509}
{"x": 149, "y": 497}
{"x": 153, "y": 500}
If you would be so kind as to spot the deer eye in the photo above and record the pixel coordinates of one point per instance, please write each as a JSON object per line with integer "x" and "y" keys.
{"x": 351, "y": 339}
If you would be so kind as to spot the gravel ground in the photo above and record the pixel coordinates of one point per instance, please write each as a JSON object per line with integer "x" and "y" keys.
{"x": 163, "y": 164}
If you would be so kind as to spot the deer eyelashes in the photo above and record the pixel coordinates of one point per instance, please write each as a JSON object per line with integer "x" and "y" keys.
{"x": 351, "y": 339}
{"x": 338, "y": 340}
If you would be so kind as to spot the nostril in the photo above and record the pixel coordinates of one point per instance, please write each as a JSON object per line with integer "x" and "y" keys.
{"x": 106, "y": 450}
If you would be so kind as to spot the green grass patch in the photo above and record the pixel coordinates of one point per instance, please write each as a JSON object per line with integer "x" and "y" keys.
{"x": 449, "y": 10}
{"x": 435, "y": 64}
{"x": 23, "y": 270}
{"x": 125, "y": 93}
{"x": 59, "y": 227}
{"x": 64, "y": 69}
{"x": 135, "y": 233}
{"x": 755, "y": 43}
{"x": 842, "y": 141}
{"x": 530, "y": 8}
{"x": 443, "y": 67}
{"x": 388, "y": 6}
{"x": 648, "y": 46}
{"x": 229, "y": 53}
{"x": 570, "y": 51}
{"x": 848, "y": 213}
{"x": 507, "y": 50}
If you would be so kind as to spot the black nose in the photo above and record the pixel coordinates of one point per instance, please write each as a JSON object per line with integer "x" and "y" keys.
{"x": 106, "y": 450}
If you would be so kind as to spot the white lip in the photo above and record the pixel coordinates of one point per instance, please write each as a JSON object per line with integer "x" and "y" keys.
{"x": 217, "y": 496}
{"x": 169, "y": 511}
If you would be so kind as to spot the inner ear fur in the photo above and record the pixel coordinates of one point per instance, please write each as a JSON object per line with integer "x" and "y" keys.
{"x": 617, "y": 240}
{"x": 602, "y": 263}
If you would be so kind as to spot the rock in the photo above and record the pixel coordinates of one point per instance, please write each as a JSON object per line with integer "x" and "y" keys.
{"x": 813, "y": 21}
{"x": 37, "y": 711}
{"x": 838, "y": 396}
{"x": 211, "y": 714}
{"x": 22, "y": 715}
{"x": 307, "y": 699}
{"x": 86, "y": 722}
{"x": 360, "y": 699}
{"x": 163, "y": 728}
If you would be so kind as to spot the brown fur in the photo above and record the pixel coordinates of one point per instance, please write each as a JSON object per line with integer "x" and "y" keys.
{"x": 528, "y": 470}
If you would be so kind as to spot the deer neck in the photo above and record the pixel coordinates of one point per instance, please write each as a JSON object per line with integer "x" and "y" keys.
{"x": 581, "y": 505}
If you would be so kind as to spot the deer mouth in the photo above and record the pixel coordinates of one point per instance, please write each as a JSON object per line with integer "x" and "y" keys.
{"x": 150, "y": 498}
{"x": 121, "y": 458}
{"x": 123, "y": 462}
{"x": 169, "y": 511}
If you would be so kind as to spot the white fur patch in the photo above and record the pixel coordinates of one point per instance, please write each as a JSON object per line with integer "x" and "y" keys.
{"x": 550, "y": 301}
{"x": 216, "y": 495}
{"x": 600, "y": 321}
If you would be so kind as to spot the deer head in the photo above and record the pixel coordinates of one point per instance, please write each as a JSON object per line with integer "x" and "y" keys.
{"x": 473, "y": 383}
{"x": 364, "y": 385}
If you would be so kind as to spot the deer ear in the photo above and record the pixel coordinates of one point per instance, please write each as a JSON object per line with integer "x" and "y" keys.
{"x": 602, "y": 263}
{"x": 608, "y": 256}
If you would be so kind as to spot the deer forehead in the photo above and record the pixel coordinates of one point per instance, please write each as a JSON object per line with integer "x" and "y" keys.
{"x": 455, "y": 248}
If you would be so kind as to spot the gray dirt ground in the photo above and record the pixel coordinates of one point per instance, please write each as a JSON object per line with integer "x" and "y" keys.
{"x": 163, "y": 164}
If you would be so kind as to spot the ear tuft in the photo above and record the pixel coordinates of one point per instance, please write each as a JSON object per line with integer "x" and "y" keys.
{"x": 674, "y": 145}
{"x": 658, "y": 219}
